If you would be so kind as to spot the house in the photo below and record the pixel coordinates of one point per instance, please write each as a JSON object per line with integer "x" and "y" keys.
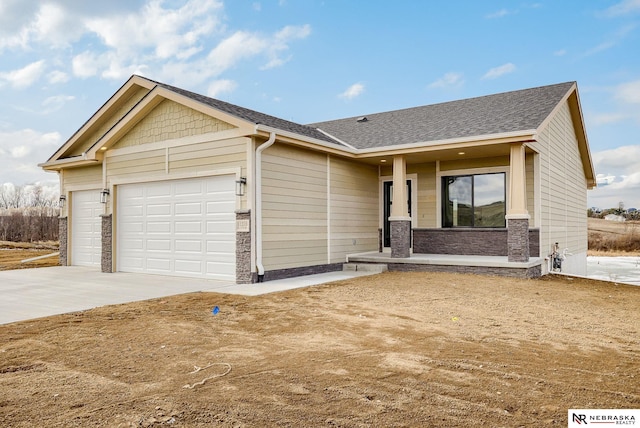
{"x": 161, "y": 180}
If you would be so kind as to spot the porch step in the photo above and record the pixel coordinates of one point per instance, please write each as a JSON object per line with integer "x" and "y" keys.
{"x": 365, "y": 267}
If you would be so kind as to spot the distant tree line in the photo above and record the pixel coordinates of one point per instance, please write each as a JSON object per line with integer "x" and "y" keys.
{"x": 27, "y": 214}
{"x": 628, "y": 214}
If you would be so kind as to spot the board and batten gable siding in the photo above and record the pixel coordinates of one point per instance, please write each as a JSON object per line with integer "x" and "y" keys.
{"x": 90, "y": 139}
{"x": 563, "y": 192}
{"x": 353, "y": 208}
{"x": 294, "y": 207}
{"x": 168, "y": 121}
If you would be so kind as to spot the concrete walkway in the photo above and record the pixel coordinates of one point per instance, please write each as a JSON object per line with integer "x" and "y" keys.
{"x": 35, "y": 293}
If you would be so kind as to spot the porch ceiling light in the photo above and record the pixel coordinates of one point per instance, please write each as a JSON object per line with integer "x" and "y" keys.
{"x": 383, "y": 160}
{"x": 461, "y": 153}
{"x": 240, "y": 186}
{"x": 104, "y": 196}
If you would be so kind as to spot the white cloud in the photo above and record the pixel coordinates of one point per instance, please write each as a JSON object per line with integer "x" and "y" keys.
{"x": 618, "y": 177}
{"x": 29, "y": 147}
{"x": 167, "y": 32}
{"x": 607, "y": 118}
{"x": 628, "y": 92}
{"x": 498, "y": 14}
{"x": 221, "y": 86}
{"x": 352, "y": 91}
{"x": 24, "y": 77}
{"x": 560, "y": 52}
{"x": 58, "y": 76}
{"x": 240, "y": 45}
{"x": 496, "y": 72}
{"x": 86, "y": 64}
{"x": 450, "y": 79}
{"x": 612, "y": 40}
{"x": 55, "y": 103}
{"x": 623, "y": 8}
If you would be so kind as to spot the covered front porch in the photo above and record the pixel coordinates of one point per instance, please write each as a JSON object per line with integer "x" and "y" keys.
{"x": 484, "y": 265}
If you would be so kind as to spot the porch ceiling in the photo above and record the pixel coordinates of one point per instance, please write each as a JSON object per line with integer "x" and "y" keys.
{"x": 431, "y": 155}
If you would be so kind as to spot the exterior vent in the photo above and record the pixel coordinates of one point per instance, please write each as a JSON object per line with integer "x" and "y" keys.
{"x": 362, "y": 119}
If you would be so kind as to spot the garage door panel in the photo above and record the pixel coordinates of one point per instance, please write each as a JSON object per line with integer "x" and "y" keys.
{"x": 162, "y": 227}
{"x": 86, "y": 228}
{"x": 159, "y": 245}
{"x": 188, "y": 246}
{"x": 193, "y": 221}
{"x": 158, "y": 210}
{"x": 133, "y": 227}
{"x": 220, "y": 247}
{"x": 220, "y": 207}
{"x": 188, "y": 208}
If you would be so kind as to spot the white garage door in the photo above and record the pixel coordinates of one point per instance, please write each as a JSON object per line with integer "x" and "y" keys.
{"x": 178, "y": 227}
{"x": 86, "y": 228}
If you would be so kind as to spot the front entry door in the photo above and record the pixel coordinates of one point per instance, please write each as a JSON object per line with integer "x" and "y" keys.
{"x": 387, "y": 201}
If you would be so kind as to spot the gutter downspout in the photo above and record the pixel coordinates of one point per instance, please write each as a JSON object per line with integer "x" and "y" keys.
{"x": 258, "y": 206}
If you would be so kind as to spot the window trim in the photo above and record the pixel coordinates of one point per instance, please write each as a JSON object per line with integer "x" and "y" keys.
{"x": 470, "y": 171}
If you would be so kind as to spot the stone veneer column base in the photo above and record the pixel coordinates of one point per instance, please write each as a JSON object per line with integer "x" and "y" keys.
{"x": 400, "y": 238}
{"x": 62, "y": 237}
{"x": 243, "y": 247}
{"x": 107, "y": 243}
{"x": 518, "y": 239}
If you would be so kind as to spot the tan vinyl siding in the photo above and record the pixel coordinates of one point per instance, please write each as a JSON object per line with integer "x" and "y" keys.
{"x": 426, "y": 193}
{"x": 94, "y": 136}
{"x": 294, "y": 202}
{"x": 353, "y": 208}
{"x": 184, "y": 159}
{"x": 84, "y": 177}
{"x": 170, "y": 120}
{"x": 563, "y": 187}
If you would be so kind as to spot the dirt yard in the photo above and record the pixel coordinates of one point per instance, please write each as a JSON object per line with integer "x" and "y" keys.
{"x": 392, "y": 350}
{"x": 13, "y": 253}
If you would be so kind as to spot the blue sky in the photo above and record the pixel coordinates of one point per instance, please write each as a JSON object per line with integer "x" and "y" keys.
{"x": 310, "y": 61}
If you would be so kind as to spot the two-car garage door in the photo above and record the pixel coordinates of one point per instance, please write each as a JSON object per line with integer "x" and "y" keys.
{"x": 178, "y": 227}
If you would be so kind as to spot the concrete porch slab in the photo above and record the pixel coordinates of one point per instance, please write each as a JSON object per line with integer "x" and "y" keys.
{"x": 445, "y": 260}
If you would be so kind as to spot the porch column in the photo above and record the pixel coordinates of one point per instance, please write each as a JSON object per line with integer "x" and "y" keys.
{"x": 517, "y": 213}
{"x": 399, "y": 220}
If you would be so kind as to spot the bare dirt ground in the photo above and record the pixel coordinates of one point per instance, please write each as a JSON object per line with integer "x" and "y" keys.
{"x": 12, "y": 254}
{"x": 392, "y": 350}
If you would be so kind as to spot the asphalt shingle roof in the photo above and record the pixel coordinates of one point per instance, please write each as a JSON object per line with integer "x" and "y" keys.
{"x": 252, "y": 115}
{"x": 492, "y": 114}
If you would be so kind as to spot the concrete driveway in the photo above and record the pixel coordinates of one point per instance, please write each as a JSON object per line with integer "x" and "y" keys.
{"x": 35, "y": 293}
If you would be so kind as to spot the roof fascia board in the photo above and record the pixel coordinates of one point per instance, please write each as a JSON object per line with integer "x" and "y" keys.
{"x": 133, "y": 81}
{"x": 573, "y": 99}
{"x": 68, "y": 163}
{"x": 453, "y": 143}
{"x": 583, "y": 141}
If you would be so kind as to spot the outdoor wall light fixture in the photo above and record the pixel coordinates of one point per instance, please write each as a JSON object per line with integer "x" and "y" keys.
{"x": 62, "y": 201}
{"x": 240, "y": 185}
{"x": 104, "y": 196}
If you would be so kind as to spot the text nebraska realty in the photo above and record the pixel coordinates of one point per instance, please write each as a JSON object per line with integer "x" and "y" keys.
{"x": 604, "y": 419}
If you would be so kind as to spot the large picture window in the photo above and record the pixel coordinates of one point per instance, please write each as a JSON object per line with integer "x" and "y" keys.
{"x": 474, "y": 200}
